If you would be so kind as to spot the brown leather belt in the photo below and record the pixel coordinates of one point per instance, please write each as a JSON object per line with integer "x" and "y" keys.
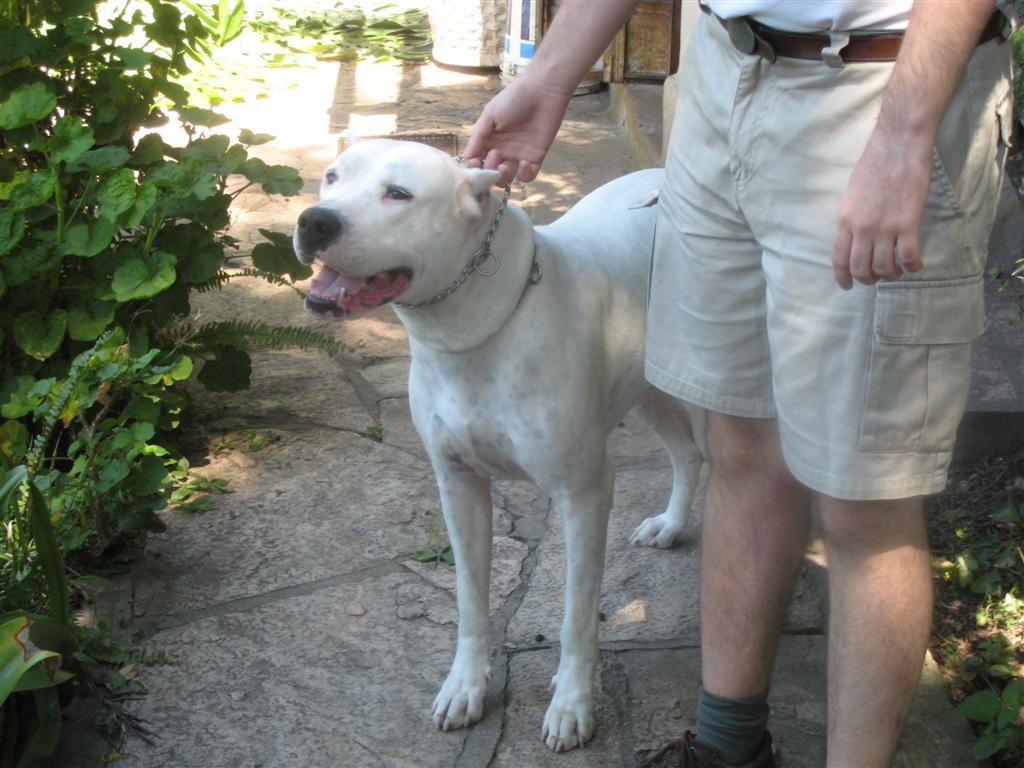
{"x": 753, "y": 37}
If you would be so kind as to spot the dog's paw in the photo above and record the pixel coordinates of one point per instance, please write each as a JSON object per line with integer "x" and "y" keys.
{"x": 460, "y": 702}
{"x": 569, "y": 721}
{"x": 662, "y": 531}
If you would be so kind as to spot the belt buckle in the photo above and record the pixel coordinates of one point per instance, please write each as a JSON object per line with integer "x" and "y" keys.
{"x": 741, "y": 34}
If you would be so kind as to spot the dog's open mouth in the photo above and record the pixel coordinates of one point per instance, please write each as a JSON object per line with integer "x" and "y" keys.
{"x": 342, "y": 294}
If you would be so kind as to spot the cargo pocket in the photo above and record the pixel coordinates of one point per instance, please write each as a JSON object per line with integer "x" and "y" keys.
{"x": 920, "y": 362}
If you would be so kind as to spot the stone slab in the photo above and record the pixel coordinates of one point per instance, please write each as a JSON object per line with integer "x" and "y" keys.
{"x": 397, "y": 427}
{"x": 390, "y": 378}
{"x": 290, "y": 387}
{"x": 648, "y": 595}
{"x": 301, "y": 682}
{"x": 506, "y": 567}
{"x": 315, "y": 505}
{"x": 527, "y": 700}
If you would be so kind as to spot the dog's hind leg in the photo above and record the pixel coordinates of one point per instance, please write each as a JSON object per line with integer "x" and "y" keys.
{"x": 569, "y": 721}
{"x": 672, "y": 422}
{"x": 466, "y": 501}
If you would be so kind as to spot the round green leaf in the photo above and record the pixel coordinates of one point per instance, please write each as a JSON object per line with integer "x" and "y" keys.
{"x": 102, "y": 160}
{"x": 20, "y": 399}
{"x": 987, "y": 745}
{"x": 117, "y": 194}
{"x": 148, "y": 476}
{"x": 87, "y": 238}
{"x": 26, "y": 105}
{"x": 88, "y": 317}
{"x": 71, "y": 138}
{"x": 280, "y": 260}
{"x": 13, "y": 441}
{"x": 141, "y": 277}
{"x": 149, "y": 150}
{"x": 245, "y": 136}
{"x": 181, "y": 369}
{"x": 34, "y": 190}
{"x": 12, "y": 229}
{"x": 39, "y": 336}
{"x": 205, "y": 118}
{"x": 228, "y": 372}
{"x": 200, "y": 254}
{"x": 981, "y": 706}
{"x": 15, "y": 41}
{"x": 144, "y": 202}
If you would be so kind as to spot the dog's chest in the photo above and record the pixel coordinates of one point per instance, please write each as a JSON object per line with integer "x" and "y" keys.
{"x": 480, "y": 419}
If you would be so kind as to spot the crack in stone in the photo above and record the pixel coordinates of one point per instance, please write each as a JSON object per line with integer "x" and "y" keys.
{"x": 511, "y": 606}
{"x": 147, "y": 629}
{"x": 615, "y": 685}
{"x": 367, "y": 395}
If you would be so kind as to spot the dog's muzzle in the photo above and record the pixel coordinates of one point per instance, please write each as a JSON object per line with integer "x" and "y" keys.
{"x": 317, "y": 228}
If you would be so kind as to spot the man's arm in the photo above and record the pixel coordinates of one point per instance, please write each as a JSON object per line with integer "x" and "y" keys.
{"x": 516, "y": 128}
{"x": 878, "y": 234}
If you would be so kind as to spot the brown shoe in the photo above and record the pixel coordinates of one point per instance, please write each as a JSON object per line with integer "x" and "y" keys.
{"x": 687, "y": 752}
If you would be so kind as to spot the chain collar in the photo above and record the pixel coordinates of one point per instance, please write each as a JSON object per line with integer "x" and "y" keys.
{"x": 480, "y": 258}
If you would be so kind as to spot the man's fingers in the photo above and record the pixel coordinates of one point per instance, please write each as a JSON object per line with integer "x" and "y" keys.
{"x": 860, "y": 260}
{"x": 841, "y": 257}
{"x": 493, "y": 160}
{"x": 883, "y": 259}
{"x": 527, "y": 171}
{"x": 508, "y": 173}
{"x": 483, "y": 127}
{"x": 908, "y": 253}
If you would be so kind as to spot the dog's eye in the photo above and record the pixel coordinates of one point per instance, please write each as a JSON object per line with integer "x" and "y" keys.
{"x": 330, "y": 177}
{"x": 397, "y": 193}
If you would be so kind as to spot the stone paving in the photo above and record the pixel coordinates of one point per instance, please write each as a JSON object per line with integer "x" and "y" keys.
{"x": 301, "y": 633}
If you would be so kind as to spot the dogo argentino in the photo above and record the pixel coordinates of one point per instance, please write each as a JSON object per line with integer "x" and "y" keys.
{"x": 527, "y": 349}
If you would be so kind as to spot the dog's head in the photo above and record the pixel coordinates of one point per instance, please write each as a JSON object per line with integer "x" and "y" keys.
{"x": 393, "y": 222}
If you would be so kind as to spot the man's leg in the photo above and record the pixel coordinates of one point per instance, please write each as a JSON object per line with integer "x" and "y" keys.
{"x": 753, "y": 540}
{"x": 880, "y": 614}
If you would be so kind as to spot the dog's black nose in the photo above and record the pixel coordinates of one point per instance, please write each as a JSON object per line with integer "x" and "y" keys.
{"x": 318, "y": 227}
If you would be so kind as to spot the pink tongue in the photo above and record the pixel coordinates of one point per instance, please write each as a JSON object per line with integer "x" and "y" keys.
{"x": 328, "y": 284}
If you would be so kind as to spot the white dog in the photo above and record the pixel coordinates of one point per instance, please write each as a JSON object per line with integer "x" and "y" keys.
{"x": 527, "y": 349}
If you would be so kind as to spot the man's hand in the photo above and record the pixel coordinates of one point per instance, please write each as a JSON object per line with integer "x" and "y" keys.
{"x": 880, "y": 217}
{"x": 516, "y": 130}
{"x": 878, "y": 234}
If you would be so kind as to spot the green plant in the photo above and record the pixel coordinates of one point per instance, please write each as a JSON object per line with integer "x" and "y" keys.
{"x": 1002, "y": 716}
{"x": 385, "y": 32}
{"x": 223, "y": 21}
{"x": 985, "y": 662}
{"x": 438, "y": 549}
{"x": 31, "y": 646}
{"x": 105, "y": 229}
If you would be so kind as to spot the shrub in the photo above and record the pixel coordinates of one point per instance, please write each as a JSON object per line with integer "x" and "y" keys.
{"x": 105, "y": 229}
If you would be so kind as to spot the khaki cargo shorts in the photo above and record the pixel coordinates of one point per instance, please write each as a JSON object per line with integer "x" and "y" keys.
{"x": 745, "y": 318}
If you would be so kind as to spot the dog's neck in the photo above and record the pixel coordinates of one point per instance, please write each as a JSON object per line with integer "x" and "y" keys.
{"x": 484, "y": 303}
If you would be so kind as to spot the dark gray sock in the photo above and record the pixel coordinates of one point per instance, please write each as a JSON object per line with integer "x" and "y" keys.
{"x": 733, "y": 727}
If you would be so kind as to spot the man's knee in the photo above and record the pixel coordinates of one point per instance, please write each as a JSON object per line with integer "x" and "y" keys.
{"x": 745, "y": 447}
{"x": 872, "y": 526}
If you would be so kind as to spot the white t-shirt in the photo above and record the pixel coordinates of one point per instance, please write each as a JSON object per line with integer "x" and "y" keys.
{"x": 819, "y": 15}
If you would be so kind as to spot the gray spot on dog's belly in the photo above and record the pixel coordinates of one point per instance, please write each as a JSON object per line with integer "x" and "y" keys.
{"x": 453, "y": 457}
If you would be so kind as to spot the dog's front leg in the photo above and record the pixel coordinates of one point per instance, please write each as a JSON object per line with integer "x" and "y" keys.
{"x": 569, "y": 721}
{"x": 466, "y": 501}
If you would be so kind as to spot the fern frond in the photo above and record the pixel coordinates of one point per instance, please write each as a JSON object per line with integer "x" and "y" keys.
{"x": 243, "y": 335}
{"x": 37, "y": 452}
{"x": 222, "y": 278}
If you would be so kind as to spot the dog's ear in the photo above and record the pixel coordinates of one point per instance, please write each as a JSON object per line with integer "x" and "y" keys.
{"x": 475, "y": 188}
